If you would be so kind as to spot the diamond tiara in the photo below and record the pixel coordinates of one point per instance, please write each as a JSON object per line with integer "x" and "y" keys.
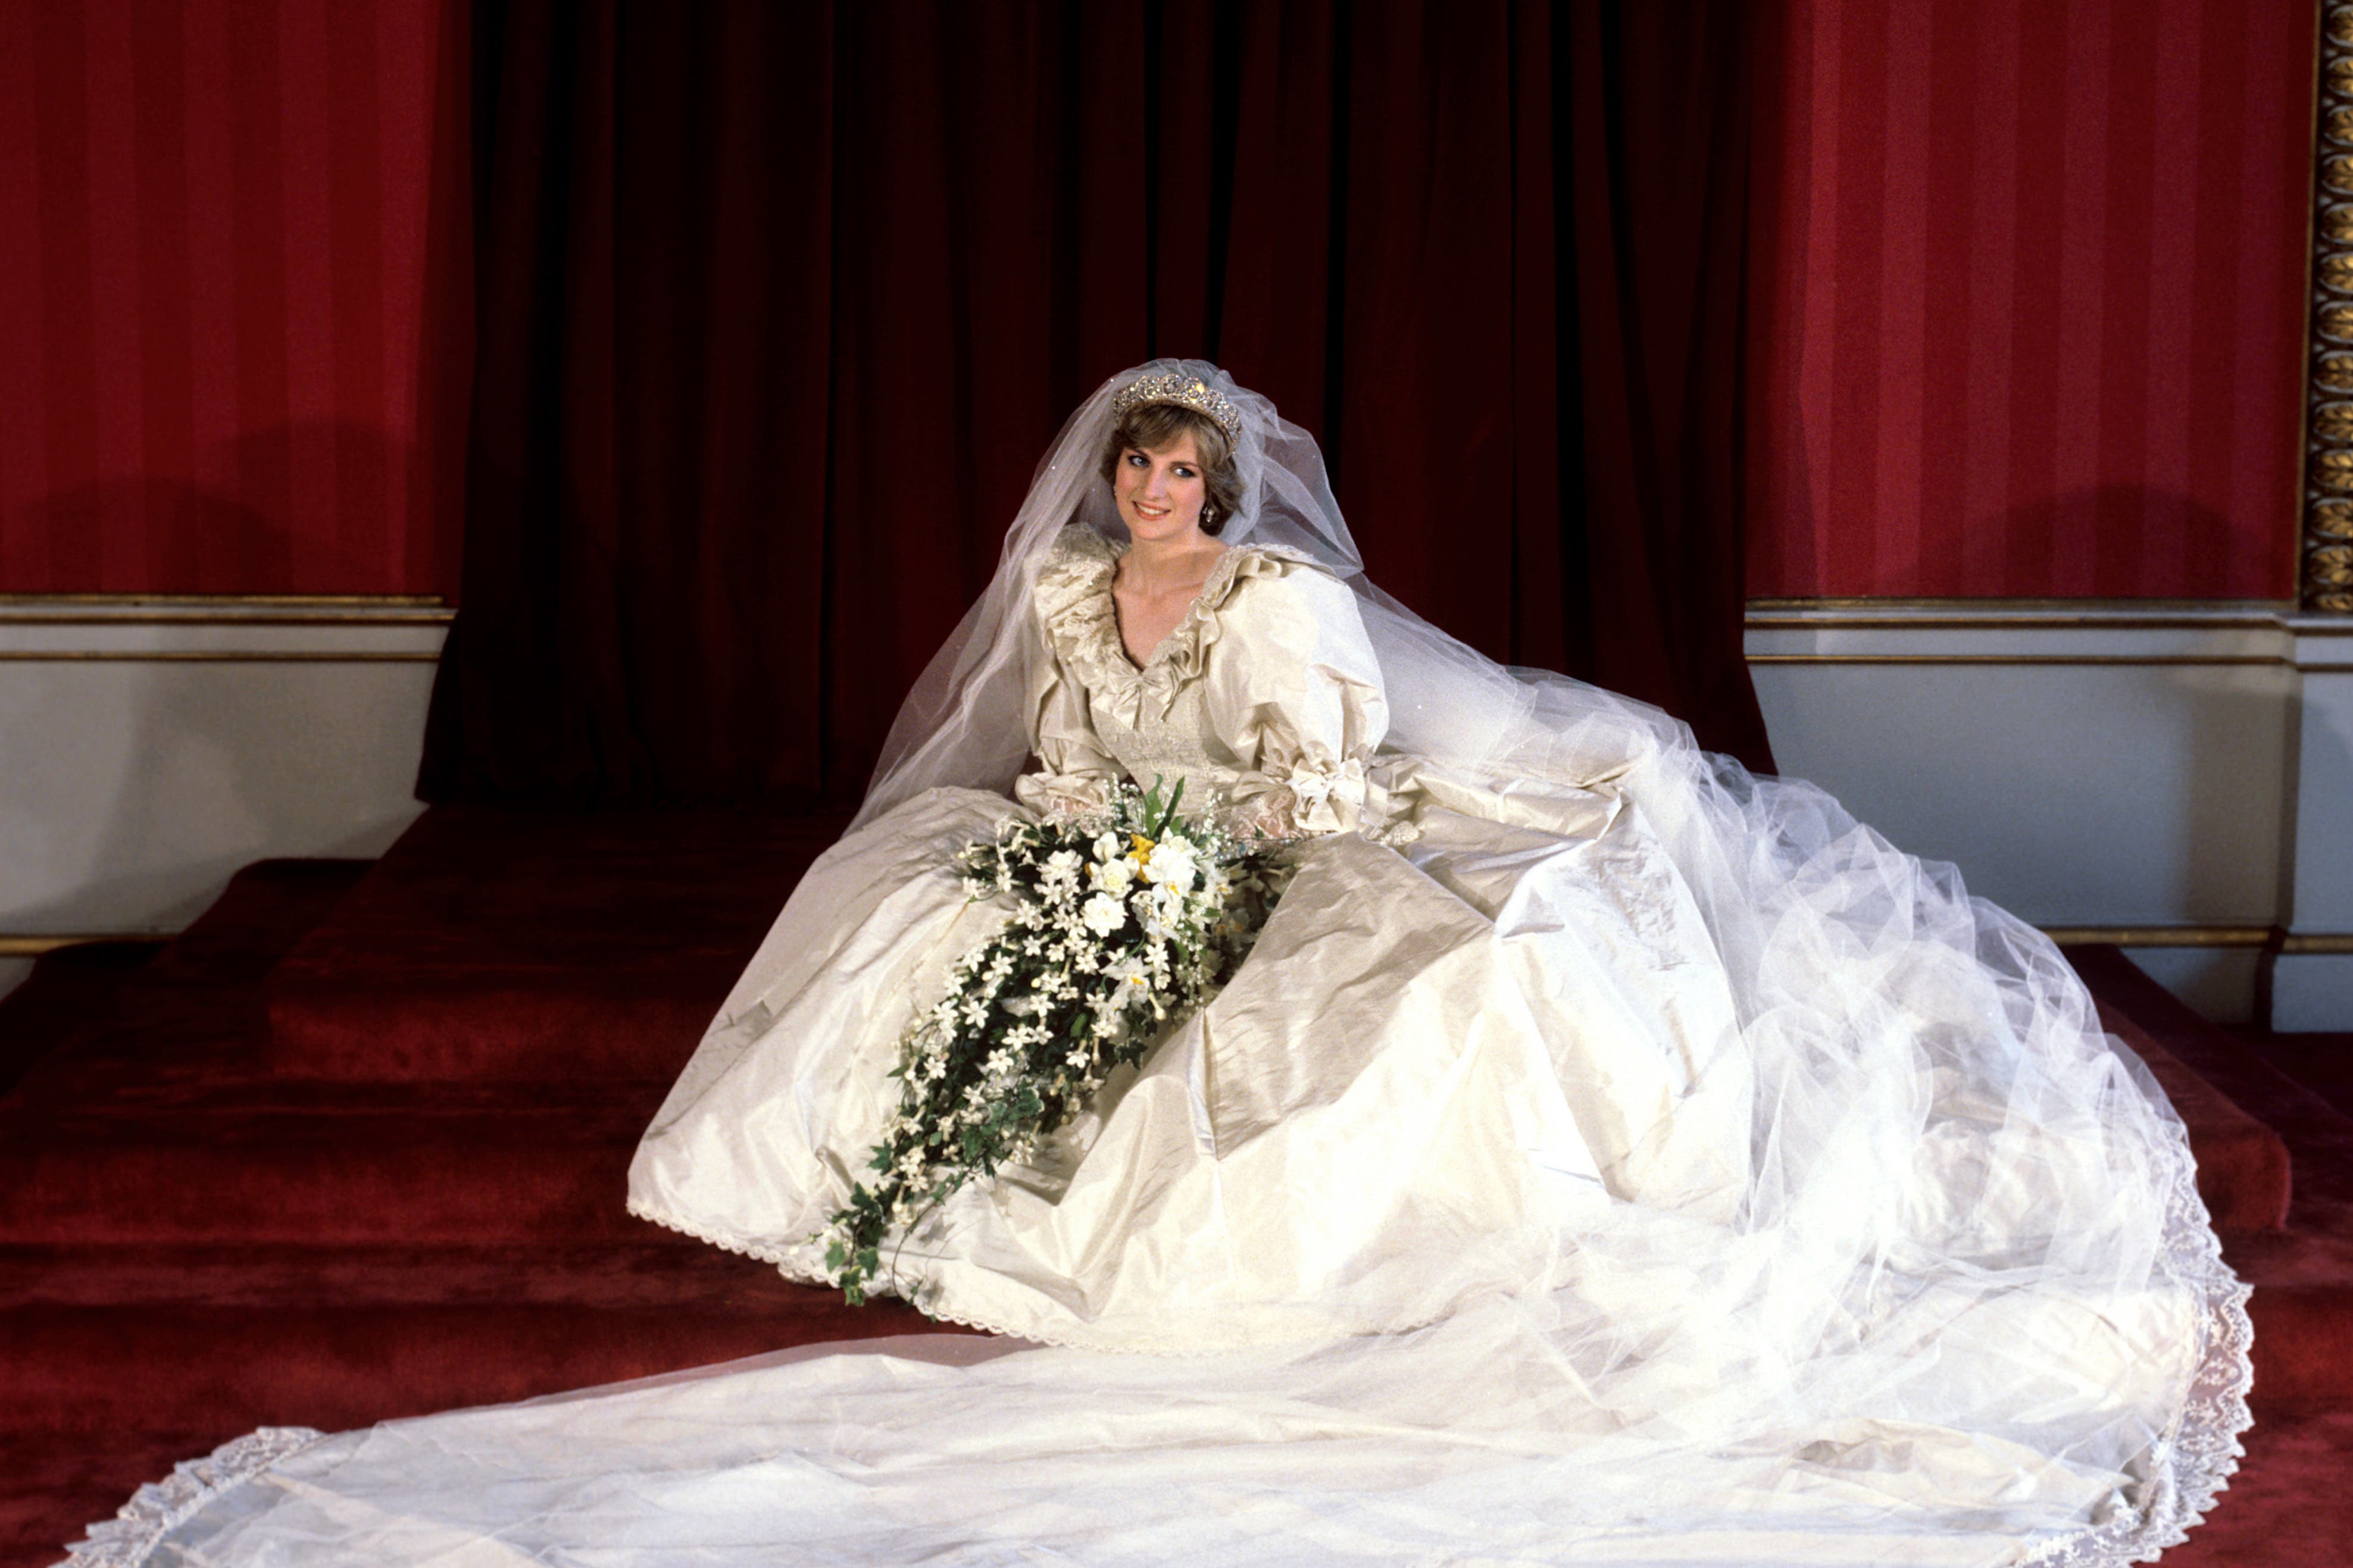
{"x": 1184, "y": 391}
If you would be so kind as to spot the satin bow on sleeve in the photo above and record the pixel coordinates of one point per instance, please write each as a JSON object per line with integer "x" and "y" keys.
{"x": 1297, "y": 699}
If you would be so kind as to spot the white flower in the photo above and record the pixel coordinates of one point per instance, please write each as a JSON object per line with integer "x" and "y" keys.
{"x": 1114, "y": 876}
{"x": 1062, "y": 870}
{"x": 1168, "y": 902}
{"x": 1103, "y": 914}
{"x": 1107, "y": 847}
{"x": 1172, "y": 864}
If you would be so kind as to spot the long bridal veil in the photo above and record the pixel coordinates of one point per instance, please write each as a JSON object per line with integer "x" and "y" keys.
{"x": 1960, "y": 1304}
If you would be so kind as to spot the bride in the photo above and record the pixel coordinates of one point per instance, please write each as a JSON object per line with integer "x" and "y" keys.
{"x": 1603, "y": 1156}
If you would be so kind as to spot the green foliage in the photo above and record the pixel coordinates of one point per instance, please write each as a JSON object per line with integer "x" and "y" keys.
{"x": 1120, "y": 925}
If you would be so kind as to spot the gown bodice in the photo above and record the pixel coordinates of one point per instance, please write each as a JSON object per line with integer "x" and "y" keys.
{"x": 1265, "y": 697}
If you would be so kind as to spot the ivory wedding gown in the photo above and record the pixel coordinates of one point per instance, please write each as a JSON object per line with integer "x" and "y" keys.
{"x": 1604, "y": 1156}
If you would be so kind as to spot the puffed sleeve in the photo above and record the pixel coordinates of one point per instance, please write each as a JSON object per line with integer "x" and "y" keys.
{"x": 1294, "y": 692}
{"x": 1076, "y": 773}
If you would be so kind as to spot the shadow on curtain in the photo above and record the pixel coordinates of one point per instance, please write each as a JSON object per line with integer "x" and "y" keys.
{"x": 776, "y": 305}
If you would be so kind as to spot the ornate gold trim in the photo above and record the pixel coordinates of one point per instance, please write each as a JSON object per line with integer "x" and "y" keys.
{"x": 23, "y": 944}
{"x": 217, "y": 618}
{"x": 224, "y": 655}
{"x": 2254, "y": 609}
{"x": 2162, "y": 936}
{"x": 2324, "y": 555}
{"x": 1834, "y": 621}
{"x": 2040, "y": 659}
{"x": 256, "y": 601}
{"x": 2319, "y": 941}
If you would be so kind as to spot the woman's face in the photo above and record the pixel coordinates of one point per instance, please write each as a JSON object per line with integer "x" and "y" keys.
{"x": 1160, "y": 493}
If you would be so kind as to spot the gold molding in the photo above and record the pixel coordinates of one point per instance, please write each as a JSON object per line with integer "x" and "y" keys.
{"x": 210, "y": 617}
{"x": 2260, "y": 609}
{"x": 223, "y": 656}
{"x": 2318, "y": 941}
{"x": 2324, "y": 495}
{"x": 251, "y": 601}
{"x": 1834, "y": 621}
{"x": 2268, "y": 937}
{"x": 23, "y": 944}
{"x": 2162, "y": 936}
{"x": 2036, "y": 659}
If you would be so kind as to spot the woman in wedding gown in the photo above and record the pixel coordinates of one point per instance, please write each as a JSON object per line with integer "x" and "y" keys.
{"x": 1603, "y": 1156}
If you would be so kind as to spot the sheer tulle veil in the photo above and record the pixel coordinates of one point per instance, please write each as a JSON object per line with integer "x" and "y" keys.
{"x": 961, "y": 724}
{"x": 1947, "y": 1296}
{"x": 2025, "y": 1178}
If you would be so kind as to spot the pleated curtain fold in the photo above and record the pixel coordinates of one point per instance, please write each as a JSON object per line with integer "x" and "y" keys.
{"x": 776, "y": 307}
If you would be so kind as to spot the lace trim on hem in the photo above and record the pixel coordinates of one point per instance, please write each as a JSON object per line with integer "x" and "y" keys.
{"x": 2192, "y": 1464}
{"x": 158, "y": 1508}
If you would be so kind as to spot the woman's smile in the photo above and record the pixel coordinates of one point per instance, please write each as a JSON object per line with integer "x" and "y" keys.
{"x": 1160, "y": 493}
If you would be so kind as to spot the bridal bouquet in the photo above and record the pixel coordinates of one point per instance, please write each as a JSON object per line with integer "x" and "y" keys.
{"x": 1123, "y": 922}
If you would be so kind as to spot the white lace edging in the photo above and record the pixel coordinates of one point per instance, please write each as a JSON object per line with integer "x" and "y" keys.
{"x": 159, "y": 1507}
{"x": 2189, "y": 1468}
{"x": 2192, "y": 1464}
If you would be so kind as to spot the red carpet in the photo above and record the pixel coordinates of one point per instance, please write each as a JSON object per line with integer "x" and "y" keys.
{"x": 354, "y": 1147}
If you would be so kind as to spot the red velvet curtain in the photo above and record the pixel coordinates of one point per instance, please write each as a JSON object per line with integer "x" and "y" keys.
{"x": 777, "y": 306}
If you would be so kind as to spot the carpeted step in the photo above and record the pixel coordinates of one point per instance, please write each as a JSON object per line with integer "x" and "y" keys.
{"x": 2243, "y": 1165}
{"x": 510, "y": 945}
{"x": 2303, "y": 1306}
{"x": 59, "y": 1484}
{"x": 2244, "y": 1174}
{"x": 656, "y": 1268}
{"x": 2303, "y": 1273}
{"x": 2216, "y": 1055}
{"x": 201, "y": 985}
{"x": 552, "y": 1168}
{"x": 2288, "y": 1507}
{"x": 67, "y": 987}
{"x": 93, "y": 1368}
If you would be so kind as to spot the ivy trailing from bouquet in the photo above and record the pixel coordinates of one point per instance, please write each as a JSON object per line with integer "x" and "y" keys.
{"x": 1124, "y": 922}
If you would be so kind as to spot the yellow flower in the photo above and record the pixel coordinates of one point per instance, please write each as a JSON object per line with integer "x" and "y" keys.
{"x": 1143, "y": 847}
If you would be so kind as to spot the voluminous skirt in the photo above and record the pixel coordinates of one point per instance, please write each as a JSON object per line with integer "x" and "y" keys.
{"x": 1697, "y": 1180}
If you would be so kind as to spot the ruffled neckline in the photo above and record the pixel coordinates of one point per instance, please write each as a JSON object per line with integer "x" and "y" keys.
{"x": 1082, "y": 620}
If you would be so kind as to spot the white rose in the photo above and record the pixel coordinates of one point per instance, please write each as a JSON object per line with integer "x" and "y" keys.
{"x": 1114, "y": 876}
{"x": 1104, "y": 914}
{"x": 1172, "y": 865}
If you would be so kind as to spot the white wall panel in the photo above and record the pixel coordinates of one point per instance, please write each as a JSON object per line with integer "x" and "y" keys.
{"x": 2183, "y": 771}
{"x": 148, "y": 751}
{"x": 2072, "y": 794}
{"x": 2141, "y": 766}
